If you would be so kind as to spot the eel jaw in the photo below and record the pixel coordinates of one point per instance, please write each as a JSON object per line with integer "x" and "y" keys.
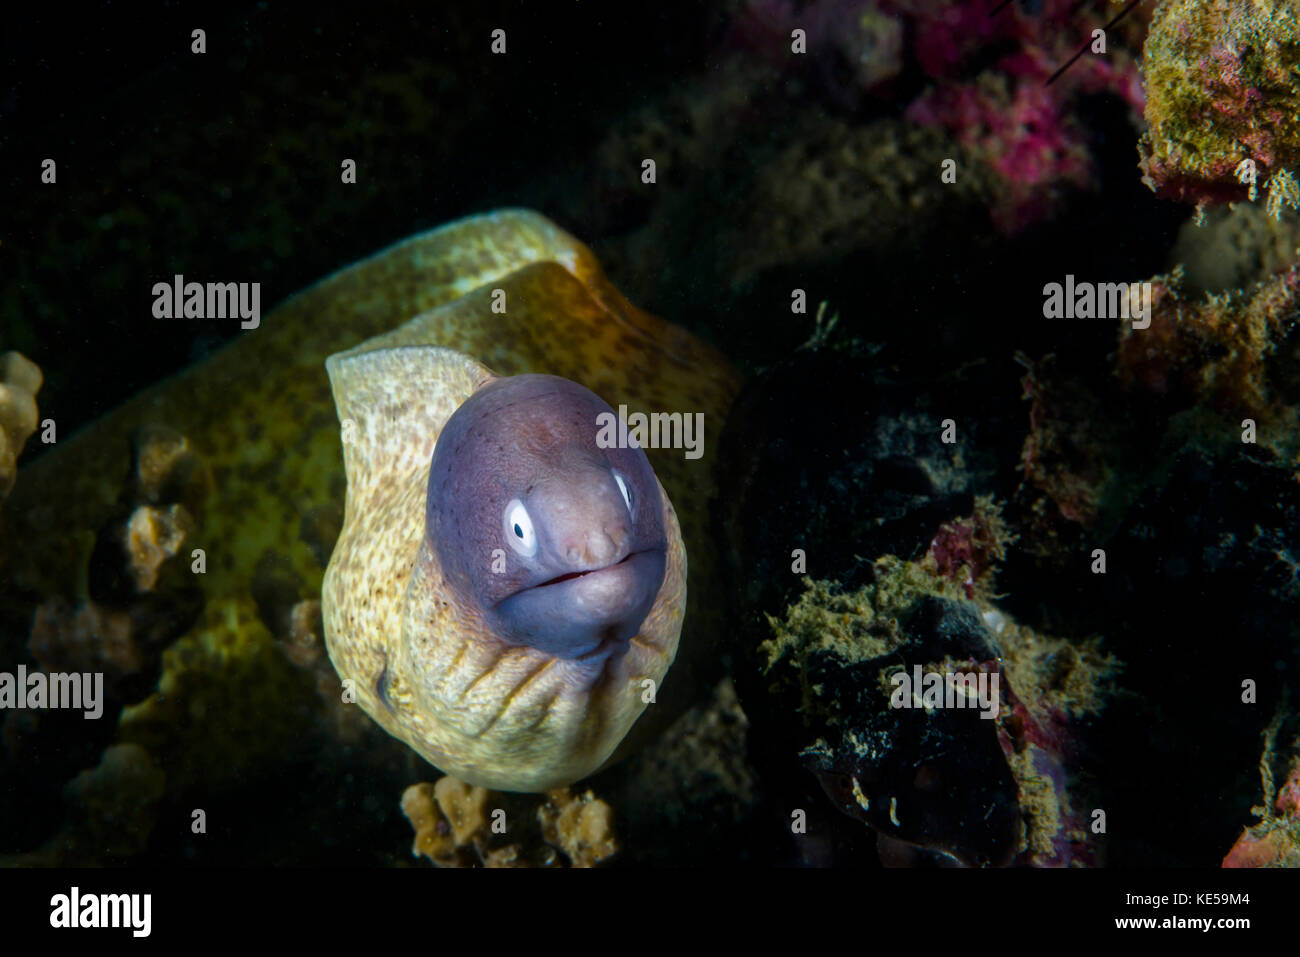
{"x": 586, "y": 611}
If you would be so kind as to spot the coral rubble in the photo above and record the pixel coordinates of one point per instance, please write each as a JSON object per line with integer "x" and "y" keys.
{"x": 462, "y": 825}
{"x": 978, "y": 792}
{"x": 20, "y": 380}
{"x": 154, "y": 535}
{"x": 582, "y": 826}
{"x": 1218, "y": 361}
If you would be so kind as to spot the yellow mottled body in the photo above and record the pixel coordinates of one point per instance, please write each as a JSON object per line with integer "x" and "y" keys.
{"x": 424, "y": 666}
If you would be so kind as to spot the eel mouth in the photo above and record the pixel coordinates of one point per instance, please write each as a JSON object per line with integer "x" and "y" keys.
{"x": 570, "y": 576}
{"x": 579, "y": 612}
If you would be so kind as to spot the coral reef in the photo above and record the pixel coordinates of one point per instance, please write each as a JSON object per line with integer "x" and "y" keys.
{"x": 125, "y": 644}
{"x": 1215, "y": 362}
{"x": 1009, "y": 119}
{"x": 833, "y": 187}
{"x": 138, "y": 601}
{"x": 243, "y": 706}
{"x": 116, "y": 802}
{"x": 112, "y": 812}
{"x": 826, "y": 187}
{"x": 986, "y": 80}
{"x": 1021, "y": 134}
{"x": 120, "y": 630}
{"x": 20, "y": 380}
{"x": 454, "y": 827}
{"x": 968, "y": 550}
{"x": 447, "y": 817}
{"x": 154, "y": 535}
{"x": 694, "y": 781}
{"x": 1067, "y": 452}
{"x": 1200, "y": 592}
{"x": 856, "y": 47}
{"x": 1233, "y": 247}
{"x": 1201, "y": 368}
{"x": 893, "y": 479}
{"x": 133, "y": 604}
{"x": 582, "y": 826}
{"x": 898, "y": 493}
{"x": 1275, "y": 840}
{"x": 167, "y": 468}
{"x": 1221, "y": 92}
{"x": 978, "y": 792}
{"x": 902, "y": 533}
{"x": 1179, "y": 474}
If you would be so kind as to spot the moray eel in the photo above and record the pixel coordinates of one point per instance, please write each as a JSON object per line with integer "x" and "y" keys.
{"x": 503, "y": 589}
{"x": 485, "y": 677}
{"x": 258, "y": 413}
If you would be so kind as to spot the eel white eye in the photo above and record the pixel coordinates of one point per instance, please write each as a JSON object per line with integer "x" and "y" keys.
{"x": 519, "y": 529}
{"x": 625, "y": 489}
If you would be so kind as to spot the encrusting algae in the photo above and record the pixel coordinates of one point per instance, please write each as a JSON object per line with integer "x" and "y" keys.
{"x": 1214, "y": 362}
{"x": 1223, "y": 101}
{"x": 845, "y": 650}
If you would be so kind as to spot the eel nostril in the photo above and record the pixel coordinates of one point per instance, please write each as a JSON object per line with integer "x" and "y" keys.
{"x": 617, "y": 536}
{"x": 600, "y": 546}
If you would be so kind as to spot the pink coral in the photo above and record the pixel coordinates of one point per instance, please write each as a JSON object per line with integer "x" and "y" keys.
{"x": 1021, "y": 134}
{"x": 967, "y": 550}
{"x": 1014, "y": 118}
{"x": 948, "y": 34}
{"x": 1008, "y": 118}
{"x": 1275, "y": 842}
{"x": 1038, "y": 747}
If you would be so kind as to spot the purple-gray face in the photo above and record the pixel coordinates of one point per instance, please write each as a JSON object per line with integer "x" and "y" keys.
{"x": 559, "y": 542}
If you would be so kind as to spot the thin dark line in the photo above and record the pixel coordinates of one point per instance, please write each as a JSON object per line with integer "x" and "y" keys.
{"x": 1088, "y": 44}
{"x": 1068, "y": 63}
{"x": 1000, "y": 7}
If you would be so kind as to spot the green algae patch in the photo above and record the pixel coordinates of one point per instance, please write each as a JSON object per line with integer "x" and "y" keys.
{"x": 1053, "y": 675}
{"x": 1050, "y": 675}
{"x": 855, "y": 626}
{"x": 231, "y": 690}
